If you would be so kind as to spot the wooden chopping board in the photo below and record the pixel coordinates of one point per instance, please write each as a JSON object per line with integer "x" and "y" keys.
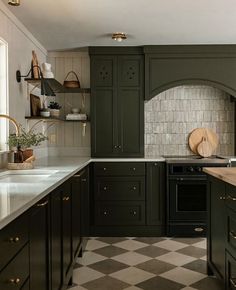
{"x": 204, "y": 149}
{"x": 197, "y": 135}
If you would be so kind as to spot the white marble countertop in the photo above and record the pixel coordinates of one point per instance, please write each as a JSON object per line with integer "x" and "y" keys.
{"x": 18, "y": 194}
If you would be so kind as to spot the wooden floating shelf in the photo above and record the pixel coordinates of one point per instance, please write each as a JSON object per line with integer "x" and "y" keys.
{"x": 49, "y": 119}
{"x": 58, "y": 87}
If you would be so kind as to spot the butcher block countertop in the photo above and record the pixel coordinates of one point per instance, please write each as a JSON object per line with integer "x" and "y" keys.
{"x": 227, "y": 174}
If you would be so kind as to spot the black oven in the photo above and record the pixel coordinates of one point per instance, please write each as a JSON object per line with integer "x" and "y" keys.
{"x": 187, "y": 198}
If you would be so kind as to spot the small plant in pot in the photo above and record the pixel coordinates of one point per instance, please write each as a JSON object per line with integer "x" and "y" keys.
{"x": 54, "y": 108}
{"x": 25, "y": 140}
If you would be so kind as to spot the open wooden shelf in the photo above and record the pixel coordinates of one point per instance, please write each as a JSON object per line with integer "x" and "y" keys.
{"x": 58, "y": 87}
{"x": 49, "y": 119}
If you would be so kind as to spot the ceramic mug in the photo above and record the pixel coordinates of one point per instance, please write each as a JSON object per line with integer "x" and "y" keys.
{"x": 75, "y": 110}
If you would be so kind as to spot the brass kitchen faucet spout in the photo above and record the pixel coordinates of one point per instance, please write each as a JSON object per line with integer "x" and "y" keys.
{"x": 17, "y": 127}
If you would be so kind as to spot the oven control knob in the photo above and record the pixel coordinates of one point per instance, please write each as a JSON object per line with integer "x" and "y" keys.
{"x": 191, "y": 169}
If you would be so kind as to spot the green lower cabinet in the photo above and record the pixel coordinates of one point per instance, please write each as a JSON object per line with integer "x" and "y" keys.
{"x": 230, "y": 281}
{"x": 56, "y": 239}
{"x": 216, "y": 226}
{"x": 39, "y": 245}
{"x": 155, "y": 201}
{"x": 119, "y": 213}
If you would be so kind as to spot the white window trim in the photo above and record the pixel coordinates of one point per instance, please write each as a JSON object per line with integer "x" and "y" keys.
{"x": 4, "y": 95}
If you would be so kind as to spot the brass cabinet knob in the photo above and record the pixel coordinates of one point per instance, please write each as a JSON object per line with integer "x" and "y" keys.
{"x": 83, "y": 179}
{"x": 119, "y": 146}
{"x": 134, "y": 168}
{"x": 134, "y": 212}
{"x": 104, "y": 188}
{"x": 134, "y": 187}
{"x": 66, "y": 198}
{"x": 104, "y": 169}
{"x": 14, "y": 240}
{"x": 222, "y": 197}
{"x": 105, "y": 212}
{"x": 15, "y": 281}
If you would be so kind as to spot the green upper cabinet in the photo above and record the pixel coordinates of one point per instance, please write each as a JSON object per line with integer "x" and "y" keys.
{"x": 117, "y": 105}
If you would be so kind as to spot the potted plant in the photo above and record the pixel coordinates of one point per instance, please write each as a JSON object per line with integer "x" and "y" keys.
{"x": 25, "y": 140}
{"x": 54, "y": 109}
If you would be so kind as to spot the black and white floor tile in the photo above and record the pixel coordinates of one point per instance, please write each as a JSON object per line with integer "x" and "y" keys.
{"x": 143, "y": 263}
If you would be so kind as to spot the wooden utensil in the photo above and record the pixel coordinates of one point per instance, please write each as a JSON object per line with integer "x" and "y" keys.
{"x": 195, "y": 138}
{"x": 205, "y": 149}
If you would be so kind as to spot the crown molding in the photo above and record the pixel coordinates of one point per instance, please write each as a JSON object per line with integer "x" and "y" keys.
{"x": 22, "y": 28}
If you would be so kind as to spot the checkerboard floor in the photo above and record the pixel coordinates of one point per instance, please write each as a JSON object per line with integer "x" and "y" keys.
{"x": 143, "y": 263}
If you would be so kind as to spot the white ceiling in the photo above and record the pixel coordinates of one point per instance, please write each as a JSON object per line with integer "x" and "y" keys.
{"x": 69, "y": 24}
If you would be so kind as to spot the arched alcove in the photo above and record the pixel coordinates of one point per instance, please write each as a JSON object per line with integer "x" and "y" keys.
{"x": 172, "y": 114}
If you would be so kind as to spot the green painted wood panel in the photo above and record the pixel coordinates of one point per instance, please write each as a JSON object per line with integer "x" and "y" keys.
{"x": 156, "y": 193}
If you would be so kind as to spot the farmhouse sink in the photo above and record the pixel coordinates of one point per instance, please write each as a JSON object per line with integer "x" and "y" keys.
{"x": 26, "y": 176}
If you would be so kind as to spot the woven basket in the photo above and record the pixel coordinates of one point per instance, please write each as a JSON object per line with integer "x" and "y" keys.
{"x": 73, "y": 83}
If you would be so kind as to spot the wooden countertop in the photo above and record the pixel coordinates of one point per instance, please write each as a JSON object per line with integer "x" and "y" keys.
{"x": 227, "y": 174}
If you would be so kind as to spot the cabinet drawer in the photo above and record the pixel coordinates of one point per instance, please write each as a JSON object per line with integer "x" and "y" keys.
{"x": 119, "y": 168}
{"x": 16, "y": 272}
{"x": 119, "y": 213}
{"x": 231, "y": 229}
{"x": 230, "y": 272}
{"x": 120, "y": 188}
{"x": 12, "y": 238}
{"x": 231, "y": 196}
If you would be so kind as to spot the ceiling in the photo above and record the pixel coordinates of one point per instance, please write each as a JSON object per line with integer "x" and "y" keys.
{"x": 70, "y": 24}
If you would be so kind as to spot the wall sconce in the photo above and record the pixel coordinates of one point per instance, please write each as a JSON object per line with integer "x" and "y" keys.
{"x": 46, "y": 90}
{"x": 119, "y": 36}
{"x": 14, "y": 2}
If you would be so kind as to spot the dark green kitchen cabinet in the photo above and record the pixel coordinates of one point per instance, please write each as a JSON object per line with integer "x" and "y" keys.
{"x": 66, "y": 232}
{"x": 156, "y": 185}
{"x": 216, "y": 227}
{"x": 117, "y": 105}
{"x": 39, "y": 245}
{"x": 85, "y": 201}
{"x": 56, "y": 239}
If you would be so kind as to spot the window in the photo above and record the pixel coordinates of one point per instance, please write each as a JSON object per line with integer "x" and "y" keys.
{"x": 3, "y": 93}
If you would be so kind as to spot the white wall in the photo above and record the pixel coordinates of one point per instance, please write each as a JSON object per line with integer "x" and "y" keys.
{"x": 20, "y": 45}
{"x": 66, "y": 138}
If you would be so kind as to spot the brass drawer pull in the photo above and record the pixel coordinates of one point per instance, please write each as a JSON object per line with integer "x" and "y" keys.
{"x": 83, "y": 179}
{"x": 232, "y": 234}
{"x": 199, "y": 230}
{"x": 77, "y": 176}
{"x": 15, "y": 281}
{"x": 232, "y": 283}
{"x": 105, "y": 188}
{"x": 66, "y": 198}
{"x": 42, "y": 204}
{"x": 14, "y": 240}
{"x": 229, "y": 197}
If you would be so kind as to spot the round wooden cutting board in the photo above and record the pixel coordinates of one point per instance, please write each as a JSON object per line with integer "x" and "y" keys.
{"x": 197, "y": 135}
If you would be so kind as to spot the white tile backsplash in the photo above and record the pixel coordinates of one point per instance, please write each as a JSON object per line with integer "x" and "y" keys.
{"x": 173, "y": 114}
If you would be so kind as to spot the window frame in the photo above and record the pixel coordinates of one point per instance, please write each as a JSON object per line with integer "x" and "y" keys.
{"x": 4, "y": 95}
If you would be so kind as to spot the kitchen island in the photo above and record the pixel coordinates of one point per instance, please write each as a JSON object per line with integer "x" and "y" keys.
{"x": 221, "y": 222}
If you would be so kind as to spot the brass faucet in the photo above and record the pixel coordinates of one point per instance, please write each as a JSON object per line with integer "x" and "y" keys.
{"x": 17, "y": 127}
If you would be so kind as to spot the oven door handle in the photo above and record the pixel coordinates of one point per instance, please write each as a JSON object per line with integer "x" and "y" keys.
{"x": 188, "y": 178}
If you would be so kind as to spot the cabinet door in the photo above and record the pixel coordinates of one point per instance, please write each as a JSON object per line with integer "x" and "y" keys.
{"x": 217, "y": 227}
{"x": 130, "y": 101}
{"x": 103, "y": 106}
{"x": 230, "y": 272}
{"x": 39, "y": 246}
{"x": 76, "y": 214}
{"x": 56, "y": 239}
{"x": 66, "y": 230}
{"x": 85, "y": 201}
{"x": 156, "y": 184}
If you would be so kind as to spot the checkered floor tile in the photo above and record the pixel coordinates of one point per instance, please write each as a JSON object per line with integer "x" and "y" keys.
{"x": 143, "y": 263}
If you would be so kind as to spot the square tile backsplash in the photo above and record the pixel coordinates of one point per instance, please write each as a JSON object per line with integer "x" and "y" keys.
{"x": 173, "y": 114}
